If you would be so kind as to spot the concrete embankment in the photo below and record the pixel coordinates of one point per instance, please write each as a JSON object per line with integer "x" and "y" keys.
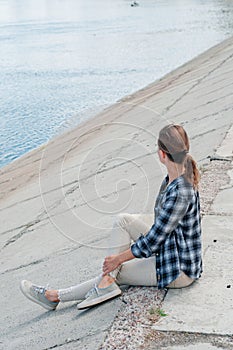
{"x": 58, "y": 202}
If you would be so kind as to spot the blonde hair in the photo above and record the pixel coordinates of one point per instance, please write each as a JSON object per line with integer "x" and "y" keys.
{"x": 174, "y": 141}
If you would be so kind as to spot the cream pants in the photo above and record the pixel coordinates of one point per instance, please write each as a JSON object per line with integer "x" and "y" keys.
{"x": 136, "y": 272}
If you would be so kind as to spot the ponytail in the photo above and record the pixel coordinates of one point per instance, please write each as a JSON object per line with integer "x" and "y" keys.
{"x": 174, "y": 141}
{"x": 191, "y": 174}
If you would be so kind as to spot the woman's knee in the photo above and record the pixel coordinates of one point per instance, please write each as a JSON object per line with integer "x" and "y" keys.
{"x": 122, "y": 219}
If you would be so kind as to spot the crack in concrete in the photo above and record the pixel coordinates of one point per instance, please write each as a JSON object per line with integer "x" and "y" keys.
{"x": 206, "y": 250}
{"x": 105, "y": 196}
{"x": 16, "y": 237}
{"x": 103, "y": 170}
{"x": 35, "y": 262}
{"x": 217, "y": 90}
{"x": 226, "y": 109}
{"x": 221, "y": 159}
{"x": 220, "y": 213}
{"x": 41, "y": 219}
{"x": 71, "y": 341}
{"x": 199, "y": 106}
{"x": 172, "y": 87}
{"x": 216, "y": 99}
{"x": 12, "y": 230}
{"x": 20, "y": 234}
{"x": 227, "y": 187}
{"x": 39, "y": 195}
{"x": 161, "y": 86}
{"x": 54, "y": 255}
{"x": 196, "y": 84}
{"x": 222, "y": 75}
{"x": 203, "y": 134}
{"x": 26, "y": 228}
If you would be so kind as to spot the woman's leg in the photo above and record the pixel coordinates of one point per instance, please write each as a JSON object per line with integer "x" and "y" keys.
{"x": 138, "y": 272}
{"x": 142, "y": 272}
{"x": 126, "y": 228}
{"x": 77, "y": 292}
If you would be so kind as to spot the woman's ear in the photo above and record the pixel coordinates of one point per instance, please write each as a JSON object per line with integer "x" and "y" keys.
{"x": 162, "y": 155}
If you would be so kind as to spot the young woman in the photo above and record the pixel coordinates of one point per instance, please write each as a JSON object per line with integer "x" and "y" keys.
{"x": 166, "y": 254}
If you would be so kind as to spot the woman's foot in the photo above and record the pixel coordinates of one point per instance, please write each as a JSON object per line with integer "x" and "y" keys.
{"x": 39, "y": 295}
{"x": 52, "y": 295}
{"x": 106, "y": 281}
{"x": 106, "y": 289}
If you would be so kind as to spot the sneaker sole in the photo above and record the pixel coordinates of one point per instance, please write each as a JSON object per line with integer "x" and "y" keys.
{"x": 30, "y": 297}
{"x": 99, "y": 300}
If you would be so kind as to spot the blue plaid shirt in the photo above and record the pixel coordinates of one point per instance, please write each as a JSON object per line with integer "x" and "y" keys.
{"x": 175, "y": 237}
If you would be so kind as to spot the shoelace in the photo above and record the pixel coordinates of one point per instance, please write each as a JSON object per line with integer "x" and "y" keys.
{"x": 92, "y": 291}
{"x": 40, "y": 289}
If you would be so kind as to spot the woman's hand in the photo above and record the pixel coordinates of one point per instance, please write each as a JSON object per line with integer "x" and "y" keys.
{"x": 113, "y": 261}
{"x": 110, "y": 263}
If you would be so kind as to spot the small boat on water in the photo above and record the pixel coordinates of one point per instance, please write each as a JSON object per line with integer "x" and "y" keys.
{"x": 134, "y": 4}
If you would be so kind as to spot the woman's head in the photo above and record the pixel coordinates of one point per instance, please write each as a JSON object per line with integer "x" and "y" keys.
{"x": 174, "y": 142}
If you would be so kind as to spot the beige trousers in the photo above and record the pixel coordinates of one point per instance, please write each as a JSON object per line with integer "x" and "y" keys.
{"x": 137, "y": 272}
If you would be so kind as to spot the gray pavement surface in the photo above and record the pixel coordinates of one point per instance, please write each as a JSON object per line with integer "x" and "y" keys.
{"x": 58, "y": 202}
{"x": 200, "y": 346}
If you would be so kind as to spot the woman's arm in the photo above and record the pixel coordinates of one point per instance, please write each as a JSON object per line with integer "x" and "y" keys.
{"x": 171, "y": 212}
{"x": 113, "y": 261}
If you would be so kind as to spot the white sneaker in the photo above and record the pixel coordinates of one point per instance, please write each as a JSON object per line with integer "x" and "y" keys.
{"x": 37, "y": 294}
{"x": 99, "y": 295}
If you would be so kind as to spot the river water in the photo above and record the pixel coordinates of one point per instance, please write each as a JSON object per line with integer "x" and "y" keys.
{"x": 62, "y": 61}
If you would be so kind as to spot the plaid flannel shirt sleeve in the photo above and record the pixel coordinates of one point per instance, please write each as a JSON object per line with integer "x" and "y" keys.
{"x": 171, "y": 212}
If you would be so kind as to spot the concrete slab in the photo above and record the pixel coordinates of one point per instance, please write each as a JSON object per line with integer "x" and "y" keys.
{"x": 224, "y": 202}
{"x": 198, "y": 346}
{"x": 226, "y": 148}
{"x": 206, "y": 306}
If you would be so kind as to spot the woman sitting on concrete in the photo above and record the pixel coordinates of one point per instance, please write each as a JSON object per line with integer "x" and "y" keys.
{"x": 168, "y": 254}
